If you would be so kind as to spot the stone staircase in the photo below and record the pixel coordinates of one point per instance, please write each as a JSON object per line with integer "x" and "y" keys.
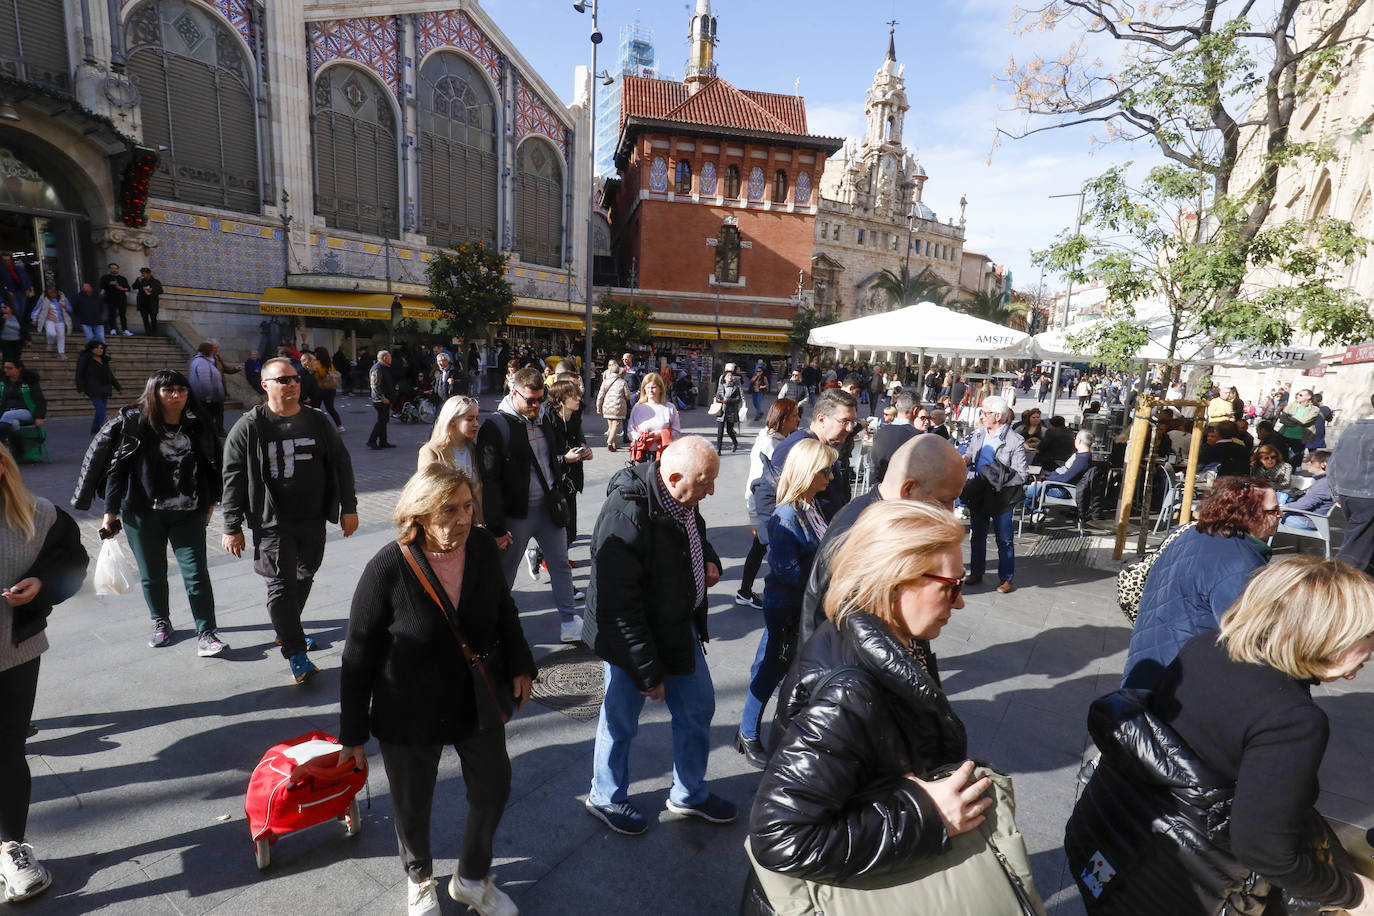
{"x": 131, "y": 358}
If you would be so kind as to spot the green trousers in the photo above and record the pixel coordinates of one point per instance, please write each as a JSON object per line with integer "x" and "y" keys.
{"x": 150, "y": 531}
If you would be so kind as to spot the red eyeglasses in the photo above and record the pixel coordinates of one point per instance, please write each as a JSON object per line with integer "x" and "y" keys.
{"x": 956, "y": 585}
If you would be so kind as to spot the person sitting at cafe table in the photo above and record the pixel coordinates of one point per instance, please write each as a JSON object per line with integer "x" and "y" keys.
{"x": 1225, "y": 451}
{"x": 1075, "y": 467}
{"x": 1316, "y": 498}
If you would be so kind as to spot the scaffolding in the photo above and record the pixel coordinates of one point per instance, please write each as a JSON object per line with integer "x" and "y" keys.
{"x": 635, "y": 56}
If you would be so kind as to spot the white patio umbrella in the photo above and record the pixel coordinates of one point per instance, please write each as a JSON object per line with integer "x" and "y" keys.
{"x": 925, "y": 328}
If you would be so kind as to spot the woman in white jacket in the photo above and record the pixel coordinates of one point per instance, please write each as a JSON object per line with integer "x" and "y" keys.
{"x": 783, "y": 419}
{"x": 54, "y": 315}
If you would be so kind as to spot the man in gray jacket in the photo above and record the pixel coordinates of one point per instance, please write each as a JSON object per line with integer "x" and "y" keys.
{"x": 286, "y": 472}
{"x": 997, "y": 456}
{"x": 1351, "y": 475}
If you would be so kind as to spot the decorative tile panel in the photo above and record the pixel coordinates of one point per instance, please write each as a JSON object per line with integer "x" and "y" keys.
{"x": 708, "y": 179}
{"x": 756, "y": 184}
{"x": 658, "y": 175}
{"x": 532, "y": 116}
{"x": 803, "y": 190}
{"x": 237, "y": 12}
{"x": 203, "y": 252}
{"x": 372, "y": 42}
{"x": 454, "y": 28}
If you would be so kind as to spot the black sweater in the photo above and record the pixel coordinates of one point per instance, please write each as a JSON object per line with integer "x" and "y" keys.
{"x": 404, "y": 678}
{"x": 1260, "y": 727}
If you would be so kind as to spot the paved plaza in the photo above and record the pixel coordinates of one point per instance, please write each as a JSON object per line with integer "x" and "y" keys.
{"x": 142, "y": 756}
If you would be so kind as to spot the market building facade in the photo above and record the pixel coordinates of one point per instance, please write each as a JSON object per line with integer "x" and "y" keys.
{"x": 288, "y": 158}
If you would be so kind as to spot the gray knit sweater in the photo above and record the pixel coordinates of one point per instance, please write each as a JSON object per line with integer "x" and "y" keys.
{"x": 17, "y": 556}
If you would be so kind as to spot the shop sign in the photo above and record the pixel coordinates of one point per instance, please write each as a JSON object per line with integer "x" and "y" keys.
{"x": 1360, "y": 353}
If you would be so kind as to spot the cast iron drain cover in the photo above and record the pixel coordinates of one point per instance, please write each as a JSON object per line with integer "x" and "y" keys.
{"x": 571, "y": 681}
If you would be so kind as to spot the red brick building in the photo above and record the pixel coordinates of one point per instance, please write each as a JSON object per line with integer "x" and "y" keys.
{"x": 715, "y": 205}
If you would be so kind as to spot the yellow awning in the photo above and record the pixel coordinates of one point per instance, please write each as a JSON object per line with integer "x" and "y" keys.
{"x": 325, "y": 304}
{"x": 770, "y": 336}
{"x": 689, "y": 331}
{"x": 415, "y": 307}
{"x": 531, "y": 319}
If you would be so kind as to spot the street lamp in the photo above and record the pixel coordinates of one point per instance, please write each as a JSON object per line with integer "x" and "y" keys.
{"x": 595, "y": 38}
{"x": 1068, "y": 295}
{"x": 910, "y": 230}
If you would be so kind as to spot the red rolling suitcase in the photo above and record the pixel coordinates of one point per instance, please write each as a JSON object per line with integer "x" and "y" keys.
{"x": 297, "y": 784}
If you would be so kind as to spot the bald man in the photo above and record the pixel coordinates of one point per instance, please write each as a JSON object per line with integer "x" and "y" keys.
{"x": 646, "y": 619}
{"x": 925, "y": 468}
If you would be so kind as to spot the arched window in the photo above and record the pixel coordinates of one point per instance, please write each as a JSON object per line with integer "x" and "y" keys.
{"x": 458, "y": 180}
{"x": 195, "y": 82}
{"x": 539, "y": 204}
{"x": 682, "y": 180}
{"x": 357, "y": 174}
{"x": 732, "y": 182}
{"x": 780, "y": 187}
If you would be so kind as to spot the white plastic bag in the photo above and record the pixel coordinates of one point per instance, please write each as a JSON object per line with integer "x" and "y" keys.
{"x": 109, "y": 569}
{"x": 744, "y": 413}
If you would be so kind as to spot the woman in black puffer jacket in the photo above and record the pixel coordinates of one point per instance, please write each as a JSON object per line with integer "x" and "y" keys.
{"x": 848, "y": 797}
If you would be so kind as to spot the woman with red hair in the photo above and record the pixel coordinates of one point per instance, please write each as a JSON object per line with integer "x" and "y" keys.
{"x": 1202, "y": 574}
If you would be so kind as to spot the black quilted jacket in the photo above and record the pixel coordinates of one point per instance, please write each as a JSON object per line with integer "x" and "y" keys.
{"x": 835, "y": 804}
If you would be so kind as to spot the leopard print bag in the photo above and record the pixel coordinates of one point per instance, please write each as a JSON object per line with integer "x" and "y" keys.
{"x": 1130, "y": 582}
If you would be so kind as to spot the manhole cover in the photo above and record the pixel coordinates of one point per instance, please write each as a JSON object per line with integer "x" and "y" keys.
{"x": 572, "y": 681}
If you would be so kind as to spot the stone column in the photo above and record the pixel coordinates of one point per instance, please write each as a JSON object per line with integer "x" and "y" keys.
{"x": 289, "y": 90}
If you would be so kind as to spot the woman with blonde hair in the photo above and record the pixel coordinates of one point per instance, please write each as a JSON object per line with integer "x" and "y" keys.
{"x": 435, "y": 656}
{"x": 1207, "y": 785}
{"x": 453, "y": 440}
{"x": 795, "y": 530}
{"x": 870, "y": 779}
{"x": 42, "y": 564}
{"x": 653, "y": 421}
{"x": 613, "y": 402}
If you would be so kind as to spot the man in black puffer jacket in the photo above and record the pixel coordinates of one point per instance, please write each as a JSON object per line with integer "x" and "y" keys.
{"x": 651, "y": 567}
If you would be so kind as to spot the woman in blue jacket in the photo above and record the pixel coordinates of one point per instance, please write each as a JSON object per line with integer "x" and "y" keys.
{"x": 1202, "y": 574}
{"x": 794, "y": 533}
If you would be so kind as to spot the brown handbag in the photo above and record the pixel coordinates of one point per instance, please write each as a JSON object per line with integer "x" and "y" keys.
{"x": 492, "y": 711}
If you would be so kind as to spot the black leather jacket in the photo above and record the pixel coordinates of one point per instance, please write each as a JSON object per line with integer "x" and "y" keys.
{"x": 835, "y": 804}
{"x": 117, "y": 452}
{"x": 1151, "y": 832}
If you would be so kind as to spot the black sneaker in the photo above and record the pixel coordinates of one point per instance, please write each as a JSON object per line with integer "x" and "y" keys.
{"x": 162, "y": 633}
{"x": 712, "y": 808}
{"x": 622, "y": 817}
{"x": 748, "y": 599}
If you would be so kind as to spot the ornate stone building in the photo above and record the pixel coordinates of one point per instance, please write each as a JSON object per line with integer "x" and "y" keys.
{"x": 299, "y": 157}
{"x": 715, "y": 205}
{"x": 871, "y": 216}
{"x": 1343, "y": 188}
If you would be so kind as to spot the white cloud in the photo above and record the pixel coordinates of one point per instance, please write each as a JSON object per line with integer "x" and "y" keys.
{"x": 836, "y": 119}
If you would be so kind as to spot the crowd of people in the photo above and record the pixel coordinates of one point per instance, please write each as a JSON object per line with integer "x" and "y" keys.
{"x": 869, "y": 799}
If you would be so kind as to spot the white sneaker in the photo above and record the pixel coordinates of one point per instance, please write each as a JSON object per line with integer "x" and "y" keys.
{"x": 486, "y": 898}
{"x": 570, "y": 631}
{"x": 22, "y": 875}
{"x": 422, "y": 899}
{"x": 128, "y": 333}
{"x": 532, "y": 562}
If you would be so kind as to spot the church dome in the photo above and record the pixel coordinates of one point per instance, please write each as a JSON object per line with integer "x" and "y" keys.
{"x": 922, "y": 211}
{"x": 918, "y": 171}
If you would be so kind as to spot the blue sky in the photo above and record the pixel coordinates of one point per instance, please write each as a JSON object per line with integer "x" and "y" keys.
{"x": 952, "y": 52}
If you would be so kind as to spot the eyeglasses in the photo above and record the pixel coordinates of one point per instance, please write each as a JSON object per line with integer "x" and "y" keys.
{"x": 922, "y": 418}
{"x": 172, "y": 390}
{"x": 956, "y": 585}
{"x": 283, "y": 380}
{"x": 1276, "y": 512}
{"x": 530, "y": 400}
{"x": 828, "y": 472}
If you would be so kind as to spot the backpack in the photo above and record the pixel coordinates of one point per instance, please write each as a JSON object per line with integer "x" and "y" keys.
{"x": 331, "y": 380}
{"x": 1097, "y": 494}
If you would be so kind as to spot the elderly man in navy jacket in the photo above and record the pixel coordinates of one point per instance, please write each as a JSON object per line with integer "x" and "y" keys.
{"x": 1075, "y": 467}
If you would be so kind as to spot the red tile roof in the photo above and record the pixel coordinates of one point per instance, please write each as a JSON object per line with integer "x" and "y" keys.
{"x": 716, "y": 104}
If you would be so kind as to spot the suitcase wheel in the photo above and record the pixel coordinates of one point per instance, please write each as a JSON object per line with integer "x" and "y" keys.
{"x": 264, "y": 852}
{"x": 352, "y": 819}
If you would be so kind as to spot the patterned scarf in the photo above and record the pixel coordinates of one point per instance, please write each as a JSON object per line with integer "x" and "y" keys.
{"x": 687, "y": 516}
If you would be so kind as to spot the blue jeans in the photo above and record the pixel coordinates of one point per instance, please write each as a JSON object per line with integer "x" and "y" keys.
{"x": 770, "y": 665}
{"x": 99, "y": 419}
{"x": 691, "y": 700}
{"x": 94, "y": 332}
{"x": 758, "y": 403}
{"x": 1003, "y": 529}
{"x": 1033, "y": 492}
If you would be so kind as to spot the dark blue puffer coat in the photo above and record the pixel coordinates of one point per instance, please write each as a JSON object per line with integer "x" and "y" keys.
{"x": 1190, "y": 586}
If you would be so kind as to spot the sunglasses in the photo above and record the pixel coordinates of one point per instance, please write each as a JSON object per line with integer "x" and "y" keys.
{"x": 956, "y": 585}
{"x": 1276, "y": 512}
{"x": 530, "y": 400}
{"x": 283, "y": 380}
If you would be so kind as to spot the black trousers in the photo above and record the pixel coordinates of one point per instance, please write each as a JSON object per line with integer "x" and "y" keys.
{"x": 329, "y": 395}
{"x": 751, "y": 566}
{"x": 117, "y": 318}
{"x": 412, "y": 771}
{"x": 1357, "y": 548}
{"x": 288, "y": 557}
{"x": 378, "y": 434}
{"x": 149, "y": 317}
{"x": 18, "y": 686}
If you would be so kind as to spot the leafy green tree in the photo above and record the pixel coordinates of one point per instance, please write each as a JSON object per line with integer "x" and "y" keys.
{"x": 469, "y": 286}
{"x": 807, "y": 319}
{"x": 903, "y": 289}
{"x": 620, "y": 323}
{"x": 990, "y": 306}
{"x": 1215, "y": 92}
